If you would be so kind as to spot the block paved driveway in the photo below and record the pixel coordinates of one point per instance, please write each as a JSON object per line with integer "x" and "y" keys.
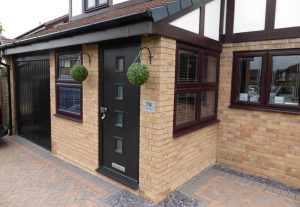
{"x": 31, "y": 176}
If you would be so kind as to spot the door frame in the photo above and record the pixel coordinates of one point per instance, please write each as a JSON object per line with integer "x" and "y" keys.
{"x": 102, "y": 169}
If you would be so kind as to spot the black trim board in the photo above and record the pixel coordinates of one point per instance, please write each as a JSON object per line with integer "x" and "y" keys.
{"x": 130, "y": 30}
{"x": 125, "y": 31}
{"x": 118, "y": 177}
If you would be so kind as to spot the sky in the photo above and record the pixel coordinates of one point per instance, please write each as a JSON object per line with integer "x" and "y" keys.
{"x": 18, "y": 17}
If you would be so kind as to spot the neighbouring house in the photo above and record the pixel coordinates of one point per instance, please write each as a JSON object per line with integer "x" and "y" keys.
{"x": 223, "y": 88}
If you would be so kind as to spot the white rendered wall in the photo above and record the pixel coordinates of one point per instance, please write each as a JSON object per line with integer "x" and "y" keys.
{"x": 249, "y": 15}
{"x": 287, "y": 13}
{"x": 189, "y": 22}
{"x": 118, "y": 1}
{"x": 212, "y": 19}
{"x": 76, "y": 7}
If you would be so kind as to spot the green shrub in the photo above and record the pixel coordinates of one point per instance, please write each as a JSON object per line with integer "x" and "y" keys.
{"x": 138, "y": 74}
{"x": 79, "y": 72}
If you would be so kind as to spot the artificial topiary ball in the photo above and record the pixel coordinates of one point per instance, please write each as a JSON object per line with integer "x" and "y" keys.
{"x": 78, "y": 72}
{"x": 138, "y": 74}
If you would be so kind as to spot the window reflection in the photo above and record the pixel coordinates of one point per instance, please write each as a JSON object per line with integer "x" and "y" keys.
{"x": 249, "y": 79}
{"x": 285, "y": 80}
{"x": 186, "y": 108}
{"x": 208, "y": 99}
{"x": 188, "y": 69}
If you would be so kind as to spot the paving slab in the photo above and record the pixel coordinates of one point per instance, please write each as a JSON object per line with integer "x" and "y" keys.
{"x": 32, "y": 177}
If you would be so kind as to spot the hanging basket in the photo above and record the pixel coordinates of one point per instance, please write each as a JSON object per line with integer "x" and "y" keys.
{"x": 138, "y": 74}
{"x": 78, "y": 72}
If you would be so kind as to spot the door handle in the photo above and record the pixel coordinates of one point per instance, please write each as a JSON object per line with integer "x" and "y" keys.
{"x": 103, "y": 111}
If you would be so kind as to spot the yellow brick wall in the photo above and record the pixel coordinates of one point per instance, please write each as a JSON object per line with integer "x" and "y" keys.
{"x": 262, "y": 143}
{"x": 78, "y": 142}
{"x": 167, "y": 162}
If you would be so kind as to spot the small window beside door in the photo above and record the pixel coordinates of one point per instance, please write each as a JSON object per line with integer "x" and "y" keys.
{"x": 196, "y": 89}
{"x": 68, "y": 91}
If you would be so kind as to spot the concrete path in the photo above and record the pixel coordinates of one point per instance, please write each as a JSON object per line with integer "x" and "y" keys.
{"x": 31, "y": 177}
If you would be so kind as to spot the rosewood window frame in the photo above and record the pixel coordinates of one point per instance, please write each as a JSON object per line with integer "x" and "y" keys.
{"x": 265, "y": 82}
{"x": 197, "y": 88}
{"x": 67, "y": 83}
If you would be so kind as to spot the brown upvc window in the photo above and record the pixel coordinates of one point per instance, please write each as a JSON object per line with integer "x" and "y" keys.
{"x": 95, "y": 4}
{"x": 68, "y": 91}
{"x": 267, "y": 80}
{"x": 196, "y": 89}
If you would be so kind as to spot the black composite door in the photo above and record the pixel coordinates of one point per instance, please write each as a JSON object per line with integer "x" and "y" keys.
{"x": 33, "y": 99}
{"x": 120, "y": 117}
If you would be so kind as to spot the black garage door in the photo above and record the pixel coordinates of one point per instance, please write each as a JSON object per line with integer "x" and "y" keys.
{"x": 33, "y": 99}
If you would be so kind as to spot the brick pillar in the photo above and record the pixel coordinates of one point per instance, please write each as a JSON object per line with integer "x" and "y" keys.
{"x": 167, "y": 162}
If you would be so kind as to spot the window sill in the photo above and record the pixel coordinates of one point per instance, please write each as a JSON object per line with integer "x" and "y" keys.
{"x": 68, "y": 118}
{"x": 181, "y": 132}
{"x": 266, "y": 109}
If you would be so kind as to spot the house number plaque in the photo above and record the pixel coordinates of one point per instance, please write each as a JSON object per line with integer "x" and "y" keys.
{"x": 149, "y": 106}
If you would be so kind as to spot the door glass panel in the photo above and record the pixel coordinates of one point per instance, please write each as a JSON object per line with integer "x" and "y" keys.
{"x": 208, "y": 103}
{"x": 119, "y": 118}
{"x": 185, "y": 108}
{"x": 119, "y": 145}
{"x": 119, "y": 91}
{"x": 209, "y": 71}
{"x": 285, "y": 80}
{"x": 249, "y": 79}
{"x": 187, "y": 67}
{"x": 120, "y": 64}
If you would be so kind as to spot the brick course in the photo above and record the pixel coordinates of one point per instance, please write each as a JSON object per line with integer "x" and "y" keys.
{"x": 262, "y": 143}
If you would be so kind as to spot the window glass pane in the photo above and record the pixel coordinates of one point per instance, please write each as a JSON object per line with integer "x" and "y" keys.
{"x": 102, "y": 2}
{"x": 285, "y": 80}
{"x": 76, "y": 7}
{"x": 188, "y": 69}
{"x": 185, "y": 108}
{"x": 249, "y": 79}
{"x": 69, "y": 99}
{"x": 66, "y": 62}
{"x": 91, "y": 3}
{"x": 209, "y": 69}
{"x": 208, "y": 100}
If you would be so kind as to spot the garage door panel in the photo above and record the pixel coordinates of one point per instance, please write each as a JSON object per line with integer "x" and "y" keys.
{"x": 33, "y": 100}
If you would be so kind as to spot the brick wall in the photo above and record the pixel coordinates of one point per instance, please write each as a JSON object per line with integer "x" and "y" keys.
{"x": 167, "y": 162}
{"x": 262, "y": 143}
{"x": 78, "y": 142}
{"x": 9, "y": 61}
{"x": 4, "y": 97}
